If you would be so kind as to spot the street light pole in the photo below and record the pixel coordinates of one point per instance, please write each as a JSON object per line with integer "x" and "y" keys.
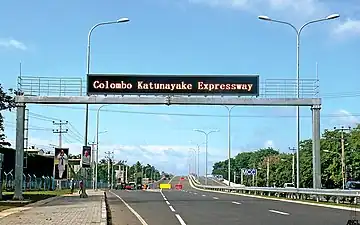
{"x": 206, "y": 149}
{"x": 121, "y": 20}
{"x": 229, "y": 142}
{"x": 298, "y": 32}
{"x": 97, "y": 144}
{"x": 193, "y": 149}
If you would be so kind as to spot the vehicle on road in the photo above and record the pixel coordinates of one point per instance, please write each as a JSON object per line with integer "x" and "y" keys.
{"x": 289, "y": 185}
{"x": 352, "y": 185}
{"x": 130, "y": 186}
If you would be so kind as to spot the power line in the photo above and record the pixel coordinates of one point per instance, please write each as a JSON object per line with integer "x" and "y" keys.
{"x": 60, "y": 131}
{"x": 211, "y": 115}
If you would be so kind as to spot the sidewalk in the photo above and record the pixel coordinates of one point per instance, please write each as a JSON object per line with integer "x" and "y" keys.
{"x": 69, "y": 209}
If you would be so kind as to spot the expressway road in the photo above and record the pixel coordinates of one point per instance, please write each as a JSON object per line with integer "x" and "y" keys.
{"x": 211, "y": 181}
{"x": 190, "y": 206}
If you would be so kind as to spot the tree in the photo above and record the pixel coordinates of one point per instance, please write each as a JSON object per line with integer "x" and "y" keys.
{"x": 7, "y": 102}
{"x": 281, "y": 163}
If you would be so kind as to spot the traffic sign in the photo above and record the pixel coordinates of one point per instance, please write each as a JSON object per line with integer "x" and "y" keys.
{"x": 249, "y": 171}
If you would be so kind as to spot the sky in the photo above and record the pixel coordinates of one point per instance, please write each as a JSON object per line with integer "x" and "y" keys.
{"x": 187, "y": 37}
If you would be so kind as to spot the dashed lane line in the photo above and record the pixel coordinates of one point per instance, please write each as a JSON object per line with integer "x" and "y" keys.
{"x": 279, "y": 212}
{"x": 167, "y": 202}
{"x": 182, "y": 222}
{"x": 237, "y": 203}
{"x": 215, "y": 198}
{"x": 172, "y": 208}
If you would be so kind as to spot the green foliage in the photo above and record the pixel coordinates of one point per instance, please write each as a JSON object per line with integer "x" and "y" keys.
{"x": 7, "y": 102}
{"x": 281, "y": 163}
{"x": 134, "y": 171}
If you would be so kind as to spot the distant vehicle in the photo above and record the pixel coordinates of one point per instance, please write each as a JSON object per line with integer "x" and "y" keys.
{"x": 219, "y": 177}
{"x": 130, "y": 186}
{"x": 352, "y": 185}
{"x": 289, "y": 185}
{"x": 182, "y": 178}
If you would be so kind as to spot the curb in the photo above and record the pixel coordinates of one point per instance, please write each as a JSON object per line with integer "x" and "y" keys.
{"x": 103, "y": 220}
{"x": 281, "y": 200}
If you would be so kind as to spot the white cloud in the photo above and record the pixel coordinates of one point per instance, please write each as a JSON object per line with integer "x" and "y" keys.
{"x": 12, "y": 43}
{"x": 301, "y": 8}
{"x": 165, "y": 117}
{"x": 269, "y": 144}
{"x": 345, "y": 118}
{"x": 349, "y": 27}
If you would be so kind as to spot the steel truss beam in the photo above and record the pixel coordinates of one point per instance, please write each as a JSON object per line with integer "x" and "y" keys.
{"x": 166, "y": 100}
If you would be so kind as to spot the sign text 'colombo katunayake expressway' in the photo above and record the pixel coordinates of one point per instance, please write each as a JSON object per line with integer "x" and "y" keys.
{"x": 173, "y": 84}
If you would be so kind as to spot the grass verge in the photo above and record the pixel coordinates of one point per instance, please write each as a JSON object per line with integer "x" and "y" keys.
{"x": 30, "y": 196}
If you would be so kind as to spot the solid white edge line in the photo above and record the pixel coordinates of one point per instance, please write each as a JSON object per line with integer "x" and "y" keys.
{"x": 165, "y": 199}
{"x": 142, "y": 221}
{"x": 171, "y": 208}
{"x": 280, "y": 200}
{"x": 182, "y": 222}
{"x": 279, "y": 212}
{"x": 167, "y": 202}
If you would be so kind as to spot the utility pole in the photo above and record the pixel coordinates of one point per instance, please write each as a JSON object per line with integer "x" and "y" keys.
{"x": 60, "y": 131}
{"x": 267, "y": 171}
{"x": 92, "y": 162}
{"x": 342, "y": 129}
{"x": 112, "y": 170}
{"x": 108, "y": 173}
{"x": 293, "y": 165}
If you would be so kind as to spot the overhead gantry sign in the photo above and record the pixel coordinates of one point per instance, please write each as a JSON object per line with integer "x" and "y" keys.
{"x": 166, "y": 89}
{"x": 164, "y": 84}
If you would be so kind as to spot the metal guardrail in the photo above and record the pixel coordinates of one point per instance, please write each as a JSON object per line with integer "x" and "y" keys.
{"x": 70, "y": 86}
{"x": 338, "y": 193}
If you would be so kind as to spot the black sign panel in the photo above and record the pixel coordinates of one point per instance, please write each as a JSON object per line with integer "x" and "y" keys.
{"x": 173, "y": 84}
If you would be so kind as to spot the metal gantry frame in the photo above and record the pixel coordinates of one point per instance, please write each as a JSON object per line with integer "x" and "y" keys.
{"x": 22, "y": 100}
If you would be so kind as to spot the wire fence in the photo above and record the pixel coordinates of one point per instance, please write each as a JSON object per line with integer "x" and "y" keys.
{"x": 45, "y": 183}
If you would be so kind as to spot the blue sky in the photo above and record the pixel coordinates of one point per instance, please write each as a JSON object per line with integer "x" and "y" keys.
{"x": 182, "y": 37}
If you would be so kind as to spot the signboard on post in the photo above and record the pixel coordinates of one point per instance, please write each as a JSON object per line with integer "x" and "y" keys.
{"x": 129, "y": 84}
{"x": 86, "y": 156}
{"x": 61, "y": 163}
{"x": 249, "y": 171}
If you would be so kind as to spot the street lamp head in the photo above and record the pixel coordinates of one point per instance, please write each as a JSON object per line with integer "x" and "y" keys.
{"x": 332, "y": 16}
{"x": 123, "y": 20}
{"x": 264, "y": 18}
{"x": 197, "y": 130}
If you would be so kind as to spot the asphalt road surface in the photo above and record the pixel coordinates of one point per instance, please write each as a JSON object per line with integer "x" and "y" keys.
{"x": 211, "y": 181}
{"x": 190, "y": 206}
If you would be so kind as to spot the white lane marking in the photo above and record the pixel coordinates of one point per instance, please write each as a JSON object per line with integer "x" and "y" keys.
{"x": 279, "y": 212}
{"x": 215, "y": 198}
{"x": 237, "y": 203}
{"x": 195, "y": 193}
{"x": 180, "y": 219}
{"x": 142, "y": 221}
{"x": 204, "y": 195}
{"x": 171, "y": 179}
{"x": 171, "y": 208}
{"x": 165, "y": 199}
{"x": 167, "y": 202}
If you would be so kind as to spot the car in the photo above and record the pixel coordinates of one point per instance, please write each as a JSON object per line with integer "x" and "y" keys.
{"x": 130, "y": 186}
